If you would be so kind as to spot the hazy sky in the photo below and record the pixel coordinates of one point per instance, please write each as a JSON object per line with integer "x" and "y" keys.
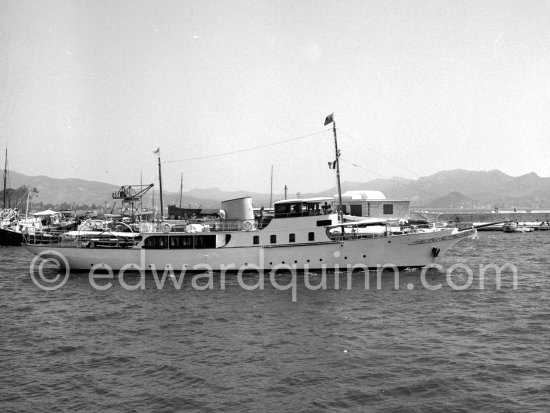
{"x": 90, "y": 88}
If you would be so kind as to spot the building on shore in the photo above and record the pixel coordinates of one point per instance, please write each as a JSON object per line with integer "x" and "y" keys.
{"x": 374, "y": 204}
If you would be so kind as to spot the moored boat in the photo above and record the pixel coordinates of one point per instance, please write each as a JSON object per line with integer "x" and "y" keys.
{"x": 514, "y": 226}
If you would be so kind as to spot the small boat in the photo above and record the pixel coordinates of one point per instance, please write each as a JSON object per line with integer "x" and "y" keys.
{"x": 514, "y": 226}
{"x": 510, "y": 226}
{"x": 9, "y": 235}
{"x": 302, "y": 234}
{"x": 40, "y": 227}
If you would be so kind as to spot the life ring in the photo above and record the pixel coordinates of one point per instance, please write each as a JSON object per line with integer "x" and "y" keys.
{"x": 247, "y": 226}
{"x": 166, "y": 227}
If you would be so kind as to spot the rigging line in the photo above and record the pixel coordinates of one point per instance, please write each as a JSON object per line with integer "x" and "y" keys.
{"x": 395, "y": 190}
{"x": 391, "y": 160}
{"x": 378, "y": 153}
{"x": 253, "y": 148}
{"x": 389, "y": 179}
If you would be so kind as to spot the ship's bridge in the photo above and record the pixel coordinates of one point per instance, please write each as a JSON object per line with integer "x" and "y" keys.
{"x": 291, "y": 208}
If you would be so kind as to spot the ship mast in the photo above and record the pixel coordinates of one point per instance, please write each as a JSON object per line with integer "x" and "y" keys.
{"x": 160, "y": 187}
{"x": 181, "y": 188}
{"x": 28, "y": 199}
{"x": 157, "y": 152}
{"x": 5, "y": 176}
{"x": 330, "y": 119}
{"x": 271, "y": 192}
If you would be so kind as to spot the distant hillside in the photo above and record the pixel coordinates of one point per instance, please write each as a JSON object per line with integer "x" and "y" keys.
{"x": 452, "y": 200}
{"x": 464, "y": 189}
{"x": 55, "y": 191}
{"x": 447, "y": 189}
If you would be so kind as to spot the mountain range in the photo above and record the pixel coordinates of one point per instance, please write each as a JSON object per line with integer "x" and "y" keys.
{"x": 446, "y": 189}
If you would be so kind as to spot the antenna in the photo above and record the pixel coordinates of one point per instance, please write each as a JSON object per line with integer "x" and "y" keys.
{"x": 181, "y": 187}
{"x": 271, "y": 193}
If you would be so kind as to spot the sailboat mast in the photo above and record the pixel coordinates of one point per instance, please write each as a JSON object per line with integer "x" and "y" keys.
{"x": 181, "y": 188}
{"x": 271, "y": 192}
{"x": 5, "y": 176}
{"x": 28, "y": 199}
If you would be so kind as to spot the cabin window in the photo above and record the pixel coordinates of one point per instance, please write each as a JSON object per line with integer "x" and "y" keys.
{"x": 311, "y": 236}
{"x": 205, "y": 241}
{"x": 282, "y": 210}
{"x": 291, "y": 237}
{"x": 388, "y": 209}
{"x": 298, "y": 209}
{"x": 301, "y": 209}
{"x": 256, "y": 239}
{"x": 156, "y": 242}
{"x": 324, "y": 223}
{"x": 181, "y": 242}
{"x": 273, "y": 239}
{"x": 356, "y": 210}
{"x": 345, "y": 209}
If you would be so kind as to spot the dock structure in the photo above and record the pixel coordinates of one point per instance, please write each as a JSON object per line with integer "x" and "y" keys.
{"x": 538, "y": 220}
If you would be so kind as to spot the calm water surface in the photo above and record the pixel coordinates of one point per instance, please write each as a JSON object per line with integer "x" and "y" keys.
{"x": 409, "y": 349}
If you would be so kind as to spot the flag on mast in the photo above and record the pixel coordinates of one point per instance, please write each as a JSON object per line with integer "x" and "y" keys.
{"x": 329, "y": 119}
{"x": 157, "y": 152}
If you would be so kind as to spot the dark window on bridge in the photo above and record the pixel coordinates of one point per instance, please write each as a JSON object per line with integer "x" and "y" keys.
{"x": 291, "y": 237}
{"x": 256, "y": 239}
{"x": 311, "y": 236}
{"x": 388, "y": 209}
{"x": 273, "y": 239}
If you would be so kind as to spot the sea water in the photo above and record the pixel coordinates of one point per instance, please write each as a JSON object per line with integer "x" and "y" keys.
{"x": 456, "y": 338}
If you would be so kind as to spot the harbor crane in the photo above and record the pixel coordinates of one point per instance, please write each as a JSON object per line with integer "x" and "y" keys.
{"x": 131, "y": 198}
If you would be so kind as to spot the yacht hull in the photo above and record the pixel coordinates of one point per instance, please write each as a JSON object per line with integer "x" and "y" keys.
{"x": 411, "y": 250}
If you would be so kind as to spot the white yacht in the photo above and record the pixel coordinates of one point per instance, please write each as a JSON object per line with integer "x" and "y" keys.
{"x": 302, "y": 234}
